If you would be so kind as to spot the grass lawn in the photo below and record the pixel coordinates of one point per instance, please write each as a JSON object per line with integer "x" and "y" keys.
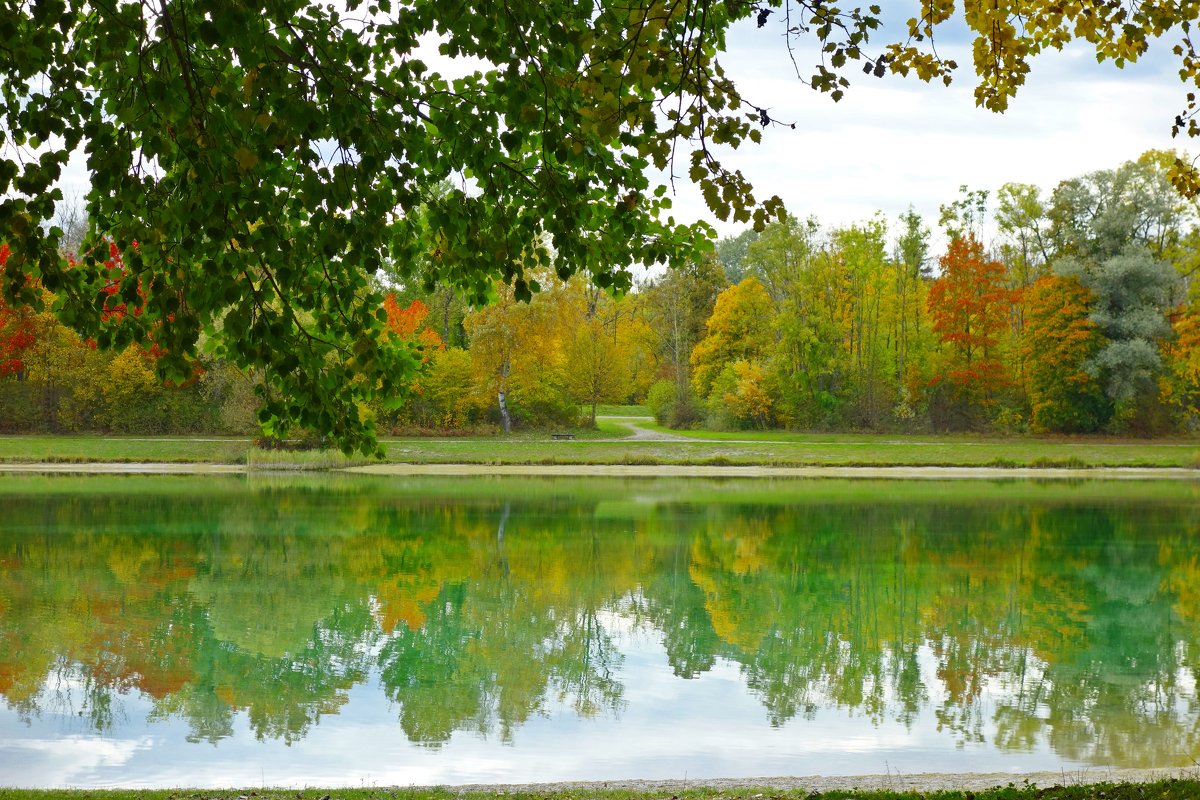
{"x": 78, "y": 448}
{"x": 1161, "y": 790}
{"x": 795, "y": 449}
{"x": 611, "y": 444}
{"x": 618, "y": 411}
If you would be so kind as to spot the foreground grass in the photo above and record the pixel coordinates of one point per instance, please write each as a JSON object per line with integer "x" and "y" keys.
{"x": 609, "y": 444}
{"x": 1161, "y": 790}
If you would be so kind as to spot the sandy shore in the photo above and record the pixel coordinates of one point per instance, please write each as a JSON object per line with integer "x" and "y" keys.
{"x": 896, "y": 781}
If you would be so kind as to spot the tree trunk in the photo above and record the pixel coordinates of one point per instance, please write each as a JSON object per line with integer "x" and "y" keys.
{"x": 501, "y": 395}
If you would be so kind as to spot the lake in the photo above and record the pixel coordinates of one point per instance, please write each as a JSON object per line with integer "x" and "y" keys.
{"x": 349, "y": 630}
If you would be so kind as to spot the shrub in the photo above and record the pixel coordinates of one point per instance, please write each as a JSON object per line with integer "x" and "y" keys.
{"x": 660, "y": 400}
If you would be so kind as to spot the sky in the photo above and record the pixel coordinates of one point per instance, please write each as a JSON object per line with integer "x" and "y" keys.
{"x": 896, "y": 141}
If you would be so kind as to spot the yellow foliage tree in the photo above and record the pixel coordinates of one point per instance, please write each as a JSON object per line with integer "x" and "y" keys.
{"x": 750, "y": 400}
{"x": 738, "y": 330}
{"x": 517, "y": 351}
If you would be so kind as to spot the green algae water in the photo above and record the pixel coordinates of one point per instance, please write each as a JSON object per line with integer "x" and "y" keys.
{"x": 218, "y": 631}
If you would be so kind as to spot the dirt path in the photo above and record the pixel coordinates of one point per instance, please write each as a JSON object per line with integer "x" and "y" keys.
{"x": 640, "y": 434}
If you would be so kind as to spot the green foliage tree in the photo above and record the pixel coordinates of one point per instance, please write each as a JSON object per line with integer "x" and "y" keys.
{"x": 678, "y": 305}
{"x": 782, "y": 254}
{"x": 1097, "y": 215}
{"x": 912, "y": 268}
{"x": 731, "y": 252}
{"x": 966, "y": 215}
{"x": 1021, "y": 219}
{"x": 1132, "y": 293}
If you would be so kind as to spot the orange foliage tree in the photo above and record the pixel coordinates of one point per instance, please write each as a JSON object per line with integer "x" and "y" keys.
{"x": 969, "y": 306}
{"x": 1058, "y": 339}
{"x": 1180, "y": 386}
{"x": 407, "y": 322}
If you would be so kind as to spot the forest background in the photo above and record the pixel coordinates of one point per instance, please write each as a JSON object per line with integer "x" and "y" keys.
{"x": 1072, "y": 311}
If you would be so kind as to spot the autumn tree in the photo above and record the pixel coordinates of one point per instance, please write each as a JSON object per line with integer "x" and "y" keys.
{"x": 17, "y": 326}
{"x": 738, "y": 330}
{"x": 1060, "y": 341}
{"x": 727, "y": 364}
{"x": 518, "y": 352}
{"x": 1181, "y": 384}
{"x": 268, "y": 157}
{"x": 596, "y": 365}
{"x": 409, "y": 323}
{"x": 794, "y": 264}
{"x": 638, "y": 343}
{"x": 968, "y": 305}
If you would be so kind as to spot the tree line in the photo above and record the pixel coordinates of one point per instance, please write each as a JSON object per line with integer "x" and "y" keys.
{"x": 1080, "y": 314}
{"x": 1076, "y": 311}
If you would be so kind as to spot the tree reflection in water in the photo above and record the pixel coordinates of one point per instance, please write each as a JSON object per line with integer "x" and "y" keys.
{"x": 1046, "y": 617}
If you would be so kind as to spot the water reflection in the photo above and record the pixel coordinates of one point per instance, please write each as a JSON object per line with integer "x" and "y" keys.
{"x": 1021, "y": 617}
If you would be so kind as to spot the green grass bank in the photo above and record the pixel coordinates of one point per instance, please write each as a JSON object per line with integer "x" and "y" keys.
{"x": 615, "y": 442}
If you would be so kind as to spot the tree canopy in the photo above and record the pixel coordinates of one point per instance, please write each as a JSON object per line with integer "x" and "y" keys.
{"x": 257, "y": 164}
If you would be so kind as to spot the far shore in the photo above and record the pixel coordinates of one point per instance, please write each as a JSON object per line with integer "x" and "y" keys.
{"x": 620, "y": 470}
{"x": 634, "y": 447}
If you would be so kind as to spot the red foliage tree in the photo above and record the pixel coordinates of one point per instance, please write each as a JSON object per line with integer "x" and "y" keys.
{"x": 406, "y": 323}
{"x": 969, "y": 307}
{"x": 17, "y": 330}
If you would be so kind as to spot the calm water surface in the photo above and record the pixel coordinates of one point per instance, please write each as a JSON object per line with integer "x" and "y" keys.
{"x": 167, "y": 631}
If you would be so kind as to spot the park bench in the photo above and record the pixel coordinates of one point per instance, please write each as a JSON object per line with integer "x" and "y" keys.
{"x": 562, "y": 437}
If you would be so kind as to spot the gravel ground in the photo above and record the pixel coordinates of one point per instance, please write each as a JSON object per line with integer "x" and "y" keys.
{"x": 896, "y": 781}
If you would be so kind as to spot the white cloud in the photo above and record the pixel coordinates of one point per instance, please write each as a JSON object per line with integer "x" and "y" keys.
{"x": 72, "y": 760}
{"x": 895, "y": 141}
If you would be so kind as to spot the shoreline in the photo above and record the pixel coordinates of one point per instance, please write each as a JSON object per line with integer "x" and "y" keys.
{"x": 893, "y": 781}
{"x": 919, "y": 783}
{"x": 750, "y": 471}
{"x": 616, "y": 470}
